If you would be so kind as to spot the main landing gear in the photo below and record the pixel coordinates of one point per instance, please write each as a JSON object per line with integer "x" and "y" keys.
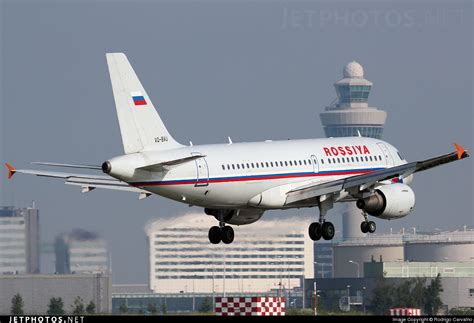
{"x": 367, "y": 226}
{"x": 322, "y": 228}
{"x": 222, "y": 232}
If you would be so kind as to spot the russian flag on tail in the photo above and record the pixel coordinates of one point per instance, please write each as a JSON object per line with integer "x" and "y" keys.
{"x": 138, "y": 98}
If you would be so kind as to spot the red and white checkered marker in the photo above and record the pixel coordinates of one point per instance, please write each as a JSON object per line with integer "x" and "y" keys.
{"x": 250, "y": 306}
{"x": 405, "y": 312}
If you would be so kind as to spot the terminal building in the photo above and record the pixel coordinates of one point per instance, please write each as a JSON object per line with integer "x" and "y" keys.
{"x": 19, "y": 240}
{"x": 270, "y": 255}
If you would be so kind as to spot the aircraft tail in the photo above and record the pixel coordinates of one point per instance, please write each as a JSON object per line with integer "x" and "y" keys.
{"x": 140, "y": 125}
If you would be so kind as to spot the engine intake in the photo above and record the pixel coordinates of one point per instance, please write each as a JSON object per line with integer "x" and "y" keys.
{"x": 389, "y": 202}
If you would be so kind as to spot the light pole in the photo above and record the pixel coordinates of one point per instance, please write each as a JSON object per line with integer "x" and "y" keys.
{"x": 315, "y": 297}
{"x": 194, "y": 295}
{"x": 349, "y": 297}
{"x": 357, "y": 264}
{"x": 322, "y": 269}
{"x": 363, "y": 300}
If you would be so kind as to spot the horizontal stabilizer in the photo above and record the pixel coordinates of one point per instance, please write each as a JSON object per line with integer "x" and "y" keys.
{"x": 67, "y": 165}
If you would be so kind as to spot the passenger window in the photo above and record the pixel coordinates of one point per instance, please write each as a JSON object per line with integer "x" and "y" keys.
{"x": 338, "y": 160}
{"x": 295, "y": 163}
{"x": 322, "y": 161}
{"x": 248, "y": 165}
{"x": 271, "y": 164}
{"x": 309, "y": 161}
{"x": 228, "y": 166}
{"x": 301, "y": 164}
{"x": 243, "y": 166}
{"x": 253, "y": 166}
{"x": 223, "y": 167}
{"x": 329, "y": 160}
{"x": 380, "y": 158}
{"x": 233, "y": 166}
{"x": 266, "y": 163}
{"x": 343, "y": 159}
{"x": 256, "y": 164}
{"x": 291, "y": 164}
{"x": 261, "y": 164}
{"x": 352, "y": 158}
{"x": 366, "y": 158}
{"x": 238, "y": 166}
{"x": 370, "y": 158}
{"x": 286, "y": 163}
{"x": 281, "y": 163}
{"x": 357, "y": 159}
{"x": 304, "y": 162}
{"x": 334, "y": 160}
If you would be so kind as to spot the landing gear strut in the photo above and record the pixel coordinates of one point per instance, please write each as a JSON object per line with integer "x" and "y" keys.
{"x": 322, "y": 228}
{"x": 367, "y": 226}
{"x": 221, "y": 233}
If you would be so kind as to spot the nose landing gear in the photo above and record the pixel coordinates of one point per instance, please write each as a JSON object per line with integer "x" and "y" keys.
{"x": 367, "y": 226}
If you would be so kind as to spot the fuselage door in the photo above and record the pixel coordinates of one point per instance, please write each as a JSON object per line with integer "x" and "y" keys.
{"x": 315, "y": 163}
{"x": 386, "y": 154}
{"x": 202, "y": 171}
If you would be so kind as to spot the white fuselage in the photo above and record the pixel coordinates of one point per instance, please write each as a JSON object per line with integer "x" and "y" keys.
{"x": 255, "y": 174}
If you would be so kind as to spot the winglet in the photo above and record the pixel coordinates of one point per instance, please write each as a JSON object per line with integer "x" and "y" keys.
{"x": 11, "y": 170}
{"x": 460, "y": 150}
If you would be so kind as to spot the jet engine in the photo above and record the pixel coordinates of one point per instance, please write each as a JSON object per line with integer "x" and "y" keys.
{"x": 237, "y": 217}
{"x": 388, "y": 202}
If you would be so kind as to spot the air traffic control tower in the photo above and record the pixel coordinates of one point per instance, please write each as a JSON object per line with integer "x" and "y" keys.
{"x": 350, "y": 115}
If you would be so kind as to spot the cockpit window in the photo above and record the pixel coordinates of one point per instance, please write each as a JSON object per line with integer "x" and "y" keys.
{"x": 401, "y": 158}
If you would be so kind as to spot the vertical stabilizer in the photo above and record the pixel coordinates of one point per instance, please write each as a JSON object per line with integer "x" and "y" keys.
{"x": 140, "y": 125}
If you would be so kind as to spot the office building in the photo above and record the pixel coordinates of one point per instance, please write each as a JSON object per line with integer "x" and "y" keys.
{"x": 269, "y": 255}
{"x": 19, "y": 240}
{"x": 80, "y": 251}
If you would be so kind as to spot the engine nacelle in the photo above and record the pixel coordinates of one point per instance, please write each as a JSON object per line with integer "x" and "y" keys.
{"x": 392, "y": 201}
{"x": 237, "y": 217}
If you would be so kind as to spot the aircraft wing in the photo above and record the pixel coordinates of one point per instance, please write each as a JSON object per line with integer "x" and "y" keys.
{"x": 86, "y": 181}
{"x": 364, "y": 181}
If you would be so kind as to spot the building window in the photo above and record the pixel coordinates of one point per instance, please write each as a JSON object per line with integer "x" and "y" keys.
{"x": 471, "y": 292}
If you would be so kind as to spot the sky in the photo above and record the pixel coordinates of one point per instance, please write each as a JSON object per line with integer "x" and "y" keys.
{"x": 251, "y": 70}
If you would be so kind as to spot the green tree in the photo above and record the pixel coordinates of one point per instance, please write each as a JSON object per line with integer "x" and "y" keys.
{"x": 17, "y": 305}
{"x": 123, "y": 309}
{"x": 151, "y": 308}
{"x": 432, "y": 299}
{"x": 164, "y": 308}
{"x": 206, "y": 306}
{"x": 90, "y": 309}
{"x": 56, "y": 306}
{"x": 382, "y": 298}
{"x": 78, "y": 306}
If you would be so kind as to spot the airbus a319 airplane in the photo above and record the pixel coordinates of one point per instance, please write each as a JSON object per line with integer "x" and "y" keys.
{"x": 237, "y": 182}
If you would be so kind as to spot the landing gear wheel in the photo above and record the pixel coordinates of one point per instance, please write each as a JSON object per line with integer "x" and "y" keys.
{"x": 328, "y": 231}
{"x": 315, "y": 231}
{"x": 227, "y": 234}
{"x": 214, "y": 235}
{"x": 364, "y": 227}
{"x": 371, "y": 227}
